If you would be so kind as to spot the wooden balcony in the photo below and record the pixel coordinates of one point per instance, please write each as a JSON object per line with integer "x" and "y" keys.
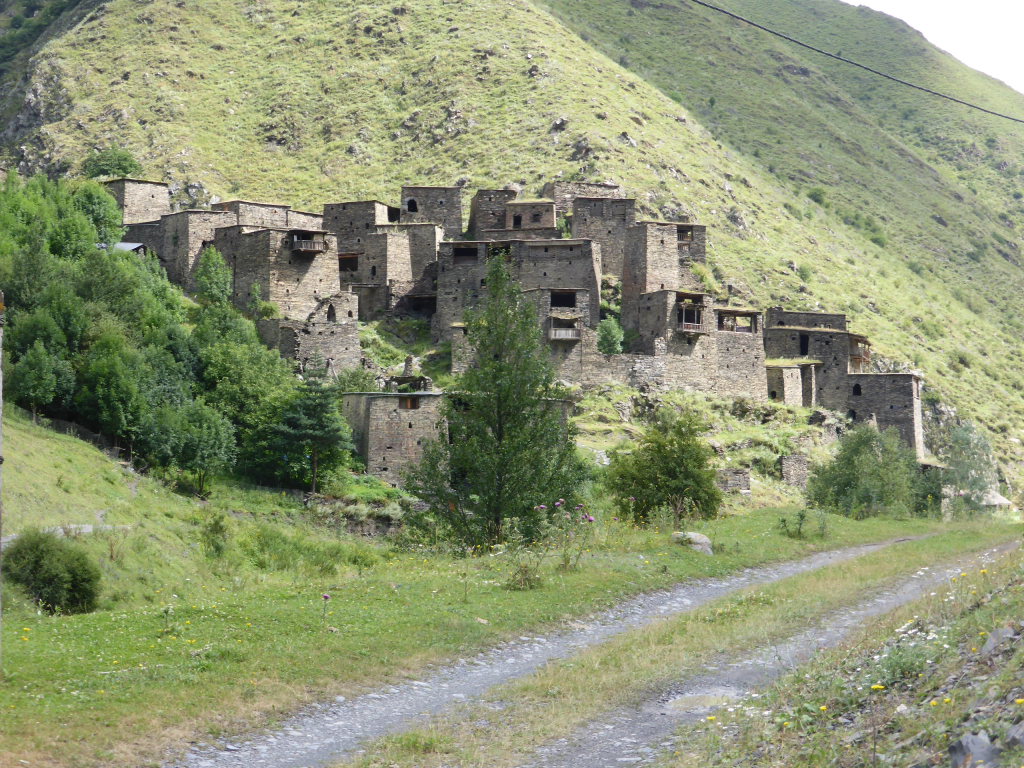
{"x": 564, "y": 334}
{"x": 309, "y": 246}
{"x": 691, "y": 328}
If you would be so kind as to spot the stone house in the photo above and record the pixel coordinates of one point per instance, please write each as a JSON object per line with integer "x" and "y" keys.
{"x": 390, "y": 428}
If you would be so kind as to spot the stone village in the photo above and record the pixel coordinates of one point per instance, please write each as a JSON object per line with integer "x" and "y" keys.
{"x": 362, "y": 261}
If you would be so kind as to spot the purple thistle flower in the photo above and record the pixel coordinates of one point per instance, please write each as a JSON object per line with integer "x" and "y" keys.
{"x": 542, "y": 506}
{"x": 326, "y": 596}
{"x": 590, "y": 518}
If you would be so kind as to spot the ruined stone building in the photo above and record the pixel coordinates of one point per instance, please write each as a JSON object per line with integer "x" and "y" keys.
{"x": 366, "y": 260}
{"x": 815, "y": 360}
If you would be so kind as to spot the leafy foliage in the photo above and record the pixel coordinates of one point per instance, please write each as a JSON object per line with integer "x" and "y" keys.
{"x": 114, "y": 161}
{"x": 872, "y": 473}
{"x": 509, "y": 443}
{"x": 57, "y": 574}
{"x": 101, "y": 337}
{"x": 670, "y": 467}
{"x": 609, "y": 336}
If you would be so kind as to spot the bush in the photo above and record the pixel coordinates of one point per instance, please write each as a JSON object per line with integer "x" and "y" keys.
{"x": 670, "y": 467}
{"x": 114, "y": 161}
{"x": 872, "y": 473}
{"x": 57, "y": 574}
{"x": 609, "y": 336}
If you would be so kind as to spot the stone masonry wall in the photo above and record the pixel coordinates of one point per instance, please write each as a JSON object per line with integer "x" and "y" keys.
{"x": 487, "y": 210}
{"x": 605, "y": 221}
{"x": 337, "y": 344}
{"x": 184, "y": 234}
{"x": 436, "y": 205}
{"x": 795, "y": 470}
{"x": 785, "y": 385}
{"x": 564, "y": 192}
{"x": 140, "y": 201}
{"x": 894, "y": 399}
{"x": 777, "y": 316}
{"x": 351, "y": 222}
{"x": 255, "y": 214}
{"x": 388, "y": 432}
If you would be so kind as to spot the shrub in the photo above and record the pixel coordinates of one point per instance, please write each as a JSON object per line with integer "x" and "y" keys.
{"x": 872, "y": 473}
{"x": 609, "y": 336}
{"x": 669, "y": 467}
{"x": 114, "y": 161}
{"x": 57, "y": 574}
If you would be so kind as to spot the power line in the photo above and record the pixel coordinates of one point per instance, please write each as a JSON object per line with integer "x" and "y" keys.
{"x": 845, "y": 60}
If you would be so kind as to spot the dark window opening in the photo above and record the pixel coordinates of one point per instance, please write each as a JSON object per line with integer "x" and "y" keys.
{"x": 393, "y": 214}
{"x": 773, "y": 395}
{"x": 373, "y": 271}
{"x": 409, "y": 403}
{"x": 851, "y": 414}
{"x": 517, "y": 221}
{"x": 684, "y": 234}
{"x": 857, "y": 392}
{"x": 348, "y": 263}
{"x": 464, "y": 255}
{"x": 535, "y": 218}
{"x": 331, "y": 314}
{"x": 412, "y": 206}
{"x": 350, "y": 313}
{"x": 689, "y": 316}
{"x": 805, "y": 344}
{"x": 563, "y": 299}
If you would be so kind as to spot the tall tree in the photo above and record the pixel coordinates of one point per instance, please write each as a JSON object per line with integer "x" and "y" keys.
{"x": 311, "y": 427}
{"x": 213, "y": 277}
{"x": 509, "y": 445}
{"x": 207, "y": 445}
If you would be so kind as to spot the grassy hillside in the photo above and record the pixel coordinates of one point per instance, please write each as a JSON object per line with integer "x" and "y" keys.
{"x": 823, "y": 188}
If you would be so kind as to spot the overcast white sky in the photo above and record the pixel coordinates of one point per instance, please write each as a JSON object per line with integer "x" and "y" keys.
{"x": 984, "y": 34}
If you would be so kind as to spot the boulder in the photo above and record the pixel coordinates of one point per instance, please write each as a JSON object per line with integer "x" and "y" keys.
{"x": 973, "y": 750}
{"x": 693, "y": 540}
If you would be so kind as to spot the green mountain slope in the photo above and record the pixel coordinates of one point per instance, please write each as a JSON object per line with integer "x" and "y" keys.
{"x": 912, "y": 228}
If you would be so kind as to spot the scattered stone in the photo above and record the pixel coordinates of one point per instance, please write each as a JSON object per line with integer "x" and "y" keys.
{"x": 1015, "y": 736}
{"x": 973, "y": 750}
{"x": 695, "y": 541}
{"x": 997, "y": 638}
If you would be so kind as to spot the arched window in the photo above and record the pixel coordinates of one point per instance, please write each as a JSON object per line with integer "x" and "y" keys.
{"x": 411, "y": 205}
{"x": 857, "y": 391}
{"x": 331, "y": 314}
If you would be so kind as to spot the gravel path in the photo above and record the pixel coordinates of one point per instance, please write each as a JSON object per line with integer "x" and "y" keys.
{"x": 327, "y": 732}
{"x": 640, "y": 735}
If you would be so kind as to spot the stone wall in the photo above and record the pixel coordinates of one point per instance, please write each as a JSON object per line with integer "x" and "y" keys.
{"x": 777, "y": 316}
{"x": 564, "y": 192}
{"x": 487, "y": 211}
{"x": 733, "y": 480}
{"x": 390, "y": 430}
{"x": 337, "y": 344}
{"x": 605, "y": 220}
{"x": 424, "y": 241}
{"x": 140, "y": 201}
{"x": 436, "y": 205}
{"x": 351, "y": 222}
{"x": 785, "y": 385}
{"x": 530, "y": 214}
{"x": 183, "y": 236}
{"x": 255, "y": 214}
{"x": 520, "y": 234}
{"x": 830, "y": 347}
{"x": 795, "y": 470}
{"x": 296, "y": 282}
{"x": 891, "y": 400}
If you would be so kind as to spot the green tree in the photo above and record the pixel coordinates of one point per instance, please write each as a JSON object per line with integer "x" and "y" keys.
{"x": 213, "y": 277}
{"x": 509, "y": 446}
{"x": 311, "y": 432}
{"x": 669, "y": 467}
{"x": 33, "y": 382}
{"x": 111, "y": 395}
{"x": 207, "y": 443}
{"x": 970, "y": 470}
{"x": 113, "y": 161}
{"x": 872, "y": 473}
{"x": 609, "y": 336}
